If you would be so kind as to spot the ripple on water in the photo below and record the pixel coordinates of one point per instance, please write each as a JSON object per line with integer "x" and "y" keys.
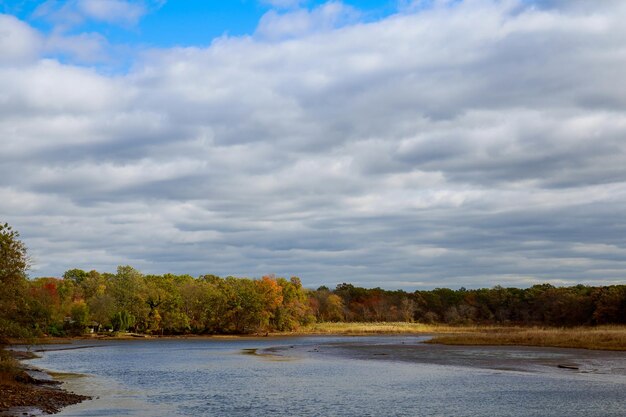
{"x": 347, "y": 376}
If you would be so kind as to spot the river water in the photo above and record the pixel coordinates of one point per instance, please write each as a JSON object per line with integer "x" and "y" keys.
{"x": 335, "y": 376}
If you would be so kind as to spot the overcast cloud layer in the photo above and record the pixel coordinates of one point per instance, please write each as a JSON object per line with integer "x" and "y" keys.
{"x": 473, "y": 144}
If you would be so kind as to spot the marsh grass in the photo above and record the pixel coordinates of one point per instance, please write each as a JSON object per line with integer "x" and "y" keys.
{"x": 598, "y": 338}
{"x": 385, "y": 328}
{"x": 9, "y": 367}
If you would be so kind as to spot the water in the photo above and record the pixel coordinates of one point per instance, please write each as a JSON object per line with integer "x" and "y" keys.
{"x": 336, "y": 376}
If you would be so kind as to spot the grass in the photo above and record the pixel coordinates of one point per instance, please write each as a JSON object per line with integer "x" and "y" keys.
{"x": 597, "y": 338}
{"x": 384, "y": 328}
{"x": 9, "y": 367}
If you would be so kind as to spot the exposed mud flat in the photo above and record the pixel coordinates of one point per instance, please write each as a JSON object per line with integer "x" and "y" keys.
{"x": 513, "y": 358}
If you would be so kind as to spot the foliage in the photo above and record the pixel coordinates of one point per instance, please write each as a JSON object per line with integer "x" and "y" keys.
{"x": 14, "y": 308}
{"x": 182, "y": 304}
{"x": 209, "y": 304}
{"x": 122, "y": 321}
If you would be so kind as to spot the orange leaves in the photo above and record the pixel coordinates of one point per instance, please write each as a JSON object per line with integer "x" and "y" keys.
{"x": 271, "y": 291}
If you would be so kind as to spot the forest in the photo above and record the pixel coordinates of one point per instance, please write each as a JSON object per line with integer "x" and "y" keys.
{"x": 129, "y": 301}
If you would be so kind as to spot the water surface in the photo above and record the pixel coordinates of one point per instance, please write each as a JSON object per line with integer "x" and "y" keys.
{"x": 336, "y": 376}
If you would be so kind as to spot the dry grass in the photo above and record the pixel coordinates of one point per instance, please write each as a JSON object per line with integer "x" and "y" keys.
{"x": 384, "y": 328}
{"x": 596, "y": 338}
{"x": 599, "y": 338}
{"x": 9, "y": 367}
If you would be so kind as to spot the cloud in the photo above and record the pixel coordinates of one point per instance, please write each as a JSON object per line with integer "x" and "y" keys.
{"x": 283, "y": 4}
{"x": 299, "y": 22}
{"x": 81, "y": 48}
{"x": 69, "y": 14}
{"x": 420, "y": 150}
{"x": 112, "y": 11}
{"x": 73, "y": 36}
{"x": 19, "y": 43}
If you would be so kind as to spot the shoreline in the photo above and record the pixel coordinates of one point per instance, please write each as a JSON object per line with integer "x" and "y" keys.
{"x": 29, "y": 395}
{"x": 609, "y": 338}
{"x": 47, "y": 396}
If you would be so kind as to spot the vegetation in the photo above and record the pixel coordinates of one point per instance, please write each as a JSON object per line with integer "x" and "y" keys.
{"x": 14, "y": 304}
{"x": 353, "y": 328}
{"x": 181, "y": 304}
{"x": 9, "y": 368}
{"x": 14, "y": 299}
{"x": 171, "y": 304}
{"x": 166, "y": 304}
{"x": 601, "y": 338}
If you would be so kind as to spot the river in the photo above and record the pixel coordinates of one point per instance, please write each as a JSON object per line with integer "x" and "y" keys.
{"x": 335, "y": 376}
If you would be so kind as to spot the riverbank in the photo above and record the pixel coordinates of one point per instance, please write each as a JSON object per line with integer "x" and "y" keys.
{"x": 24, "y": 395}
{"x": 596, "y": 338}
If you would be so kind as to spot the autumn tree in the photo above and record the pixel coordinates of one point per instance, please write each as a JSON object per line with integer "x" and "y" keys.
{"x": 129, "y": 291}
{"x": 13, "y": 266}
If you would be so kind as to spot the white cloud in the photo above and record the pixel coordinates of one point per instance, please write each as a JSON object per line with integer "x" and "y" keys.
{"x": 84, "y": 47}
{"x": 19, "y": 43}
{"x": 472, "y": 144}
{"x": 112, "y": 11}
{"x": 275, "y": 25}
{"x": 68, "y": 14}
{"x": 284, "y": 4}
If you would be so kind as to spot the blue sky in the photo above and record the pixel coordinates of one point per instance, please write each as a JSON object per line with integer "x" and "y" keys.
{"x": 186, "y": 22}
{"x": 403, "y": 145}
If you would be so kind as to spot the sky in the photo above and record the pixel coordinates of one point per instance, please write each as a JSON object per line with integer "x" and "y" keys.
{"x": 401, "y": 144}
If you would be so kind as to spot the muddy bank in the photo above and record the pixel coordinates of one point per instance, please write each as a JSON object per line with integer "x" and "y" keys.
{"x": 19, "y": 399}
{"x": 33, "y": 392}
{"x": 512, "y": 358}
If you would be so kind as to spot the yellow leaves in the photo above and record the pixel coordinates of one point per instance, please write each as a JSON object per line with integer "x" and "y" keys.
{"x": 271, "y": 291}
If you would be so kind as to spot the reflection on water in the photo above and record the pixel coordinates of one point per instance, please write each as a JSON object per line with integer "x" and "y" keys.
{"x": 341, "y": 376}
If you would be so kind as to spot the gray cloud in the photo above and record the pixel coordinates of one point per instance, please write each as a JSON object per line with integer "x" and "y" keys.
{"x": 466, "y": 145}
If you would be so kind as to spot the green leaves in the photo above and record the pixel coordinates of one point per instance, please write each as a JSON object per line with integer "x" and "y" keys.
{"x": 13, "y": 265}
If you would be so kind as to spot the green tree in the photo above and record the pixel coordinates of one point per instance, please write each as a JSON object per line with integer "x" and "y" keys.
{"x": 79, "y": 315}
{"x": 129, "y": 290}
{"x": 14, "y": 263}
{"x": 101, "y": 308}
{"x": 76, "y": 275}
{"x": 122, "y": 321}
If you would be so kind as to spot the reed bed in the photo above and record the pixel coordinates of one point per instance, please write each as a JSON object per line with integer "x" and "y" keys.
{"x": 386, "y": 328}
{"x": 9, "y": 367}
{"x": 598, "y": 338}
{"x": 595, "y": 338}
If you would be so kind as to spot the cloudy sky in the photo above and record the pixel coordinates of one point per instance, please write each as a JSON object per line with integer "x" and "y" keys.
{"x": 403, "y": 144}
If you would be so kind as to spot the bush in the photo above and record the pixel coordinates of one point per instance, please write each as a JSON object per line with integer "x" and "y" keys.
{"x": 55, "y": 331}
{"x": 9, "y": 367}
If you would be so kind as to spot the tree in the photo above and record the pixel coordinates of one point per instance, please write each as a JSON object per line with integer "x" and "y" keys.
{"x": 129, "y": 290}
{"x": 101, "y": 309}
{"x": 122, "y": 320}
{"x": 76, "y": 275}
{"x": 79, "y": 316}
{"x": 14, "y": 263}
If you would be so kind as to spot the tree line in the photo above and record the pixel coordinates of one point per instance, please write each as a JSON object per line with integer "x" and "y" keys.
{"x": 543, "y": 305}
{"x": 128, "y": 300}
{"x": 167, "y": 304}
